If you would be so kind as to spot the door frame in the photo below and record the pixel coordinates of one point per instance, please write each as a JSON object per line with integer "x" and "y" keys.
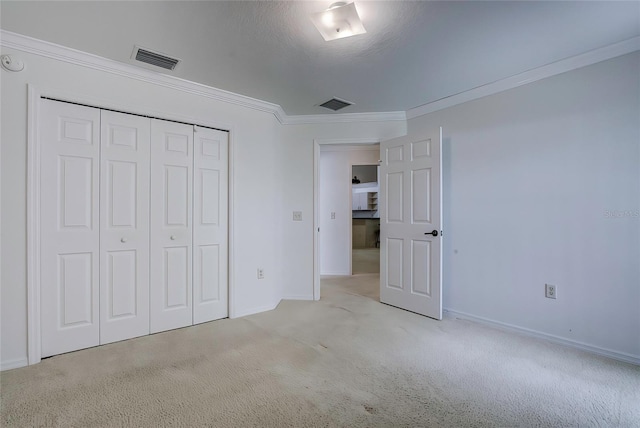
{"x": 35, "y": 94}
{"x": 316, "y": 198}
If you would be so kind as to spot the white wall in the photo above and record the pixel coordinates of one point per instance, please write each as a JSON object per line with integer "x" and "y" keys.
{"x": 529, "y": 177}
{"x": 335, "y": 196}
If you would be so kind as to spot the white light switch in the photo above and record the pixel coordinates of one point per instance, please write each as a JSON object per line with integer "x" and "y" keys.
{"x": 333, "y": 216}
{"x": 297, "y": 216}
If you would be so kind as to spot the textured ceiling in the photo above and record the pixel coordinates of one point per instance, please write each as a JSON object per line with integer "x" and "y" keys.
{"x": 413, "y": 52}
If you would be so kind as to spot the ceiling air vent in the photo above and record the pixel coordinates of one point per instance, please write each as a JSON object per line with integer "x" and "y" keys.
{"x": 154, "y": 58}
{"x": 335, "y": 104}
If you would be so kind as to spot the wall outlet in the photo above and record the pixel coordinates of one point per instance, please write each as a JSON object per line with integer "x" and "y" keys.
{"x": 333, "y": 216}
{"x": 260, "y": 273}
{"x": 550, "y": 291}
{"x": 297, "y": 216}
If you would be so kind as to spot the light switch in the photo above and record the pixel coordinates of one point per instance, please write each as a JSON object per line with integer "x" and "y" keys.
{"x": 333, "y": 216}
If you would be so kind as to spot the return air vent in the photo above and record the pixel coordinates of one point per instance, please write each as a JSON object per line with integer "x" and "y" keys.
{"x": 154, "y": 58}
{"x": 335, "y": 104}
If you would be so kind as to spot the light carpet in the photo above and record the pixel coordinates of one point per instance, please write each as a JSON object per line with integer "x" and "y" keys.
{"x": 345, "y": 361}
{"x": 365, "y": 260}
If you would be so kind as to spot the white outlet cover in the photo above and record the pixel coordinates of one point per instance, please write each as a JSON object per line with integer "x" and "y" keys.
{"x": 297, "y": 216}
{"x": 550, "y": 291}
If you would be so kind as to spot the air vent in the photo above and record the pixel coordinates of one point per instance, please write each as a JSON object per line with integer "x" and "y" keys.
{"x": 335, "y": 104}
{"x": 154, "y": 58}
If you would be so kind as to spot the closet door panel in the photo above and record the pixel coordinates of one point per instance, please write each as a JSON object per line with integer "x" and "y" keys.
{"x": 171, "y": 226}
{"x": 176, "y": 277}
{"x": 210, "y": 234}
{"x": 69, "y": 227}
{"x": 124, "y": 231}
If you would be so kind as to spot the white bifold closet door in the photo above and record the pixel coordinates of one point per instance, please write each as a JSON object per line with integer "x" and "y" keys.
{"x": 69, "y": 227}
{"x": 171, "y": 225}
{"x": 124, "y": 226}
{"x": 189, "y": 169}
{"x": 210, "y": 225}
{"x": 94, "y": 227}
{"x": 134, "y": 226}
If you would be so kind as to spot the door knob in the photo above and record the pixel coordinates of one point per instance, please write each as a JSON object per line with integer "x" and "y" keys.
{"x": 173, "y": 237}
{"x": 433, "y": 232}
{"x": 123, "y": 240}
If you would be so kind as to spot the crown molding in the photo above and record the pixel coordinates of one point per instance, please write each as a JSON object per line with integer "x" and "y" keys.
{"x": 347, "y": 144}
{"x": 83, "y": 59}
{"x": 345, "y": 118}
{"x": 549, "y": 70}
{"x": 61, "y": 53}
{"x": 57, "y": 52}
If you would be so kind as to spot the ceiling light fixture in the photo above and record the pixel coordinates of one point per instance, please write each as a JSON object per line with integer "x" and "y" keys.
{"x": 339, "y": 21}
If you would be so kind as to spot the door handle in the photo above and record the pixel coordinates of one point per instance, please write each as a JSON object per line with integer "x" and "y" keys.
{"x": 173, "y": 237}
{"x": 123, "y": 240}
{"x": 433, "y": 232}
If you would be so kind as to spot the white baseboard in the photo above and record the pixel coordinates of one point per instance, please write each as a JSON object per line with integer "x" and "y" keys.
{"x": 14, "y": 364}
{"x": 256, "y": 310}
{"x": 298, "y": 297}
{"x": 620, "y": 356}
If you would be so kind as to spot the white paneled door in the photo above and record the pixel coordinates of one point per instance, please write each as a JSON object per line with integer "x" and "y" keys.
{"x": 210, "y": 229}
{"x": 133, "y": 226}
{"x": 171, "y": 225}
{"x": 411, "y": 227}
{"x": 70, "y": 227}
{"x": 124, "y": 226}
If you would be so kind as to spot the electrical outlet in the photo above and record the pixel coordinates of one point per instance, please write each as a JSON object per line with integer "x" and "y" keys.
{"x": 550, "y": 291}
{"x": 260, "y": 273}
{"x": 297, "y": 216}
{"x": 333, "y": 216}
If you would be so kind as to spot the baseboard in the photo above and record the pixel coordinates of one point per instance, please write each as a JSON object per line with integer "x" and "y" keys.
{"x": 14, "y": 364}
{"x": 256, "y": 310}
{"x": 298, "y": 297}
{"x": 620, "y": 356}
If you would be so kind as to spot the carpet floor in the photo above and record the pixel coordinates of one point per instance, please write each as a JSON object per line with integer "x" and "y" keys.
{"x": 365, "y": 260}
{"x": 345, "y": 361}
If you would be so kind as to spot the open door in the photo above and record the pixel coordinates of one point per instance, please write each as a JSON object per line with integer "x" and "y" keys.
{"x": 411, "y": 223}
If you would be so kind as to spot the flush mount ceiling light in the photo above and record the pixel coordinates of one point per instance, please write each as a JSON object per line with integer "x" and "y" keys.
{"x": 339, "y": 21}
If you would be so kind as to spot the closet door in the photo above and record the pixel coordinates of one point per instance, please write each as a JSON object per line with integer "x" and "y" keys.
{"x": 69, "y": 227}
{"x": 124, "y": 226}
{"x": 171, "y": 225}
{"x": 210, "y": 233}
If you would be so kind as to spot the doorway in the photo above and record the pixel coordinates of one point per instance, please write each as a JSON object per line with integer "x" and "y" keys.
{"x": 365, "y": 224}
{"x": 333, "y": 214}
